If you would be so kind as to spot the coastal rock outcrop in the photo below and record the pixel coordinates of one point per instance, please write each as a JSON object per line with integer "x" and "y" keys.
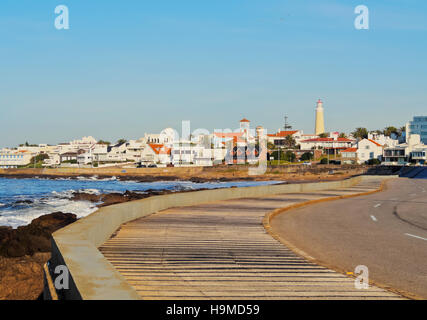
{"x": 33, "y": 238}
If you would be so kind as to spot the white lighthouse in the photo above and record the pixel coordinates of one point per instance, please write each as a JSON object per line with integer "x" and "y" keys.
{"x": 320, "y": 121}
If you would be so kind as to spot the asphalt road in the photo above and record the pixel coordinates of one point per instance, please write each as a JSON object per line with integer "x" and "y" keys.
{"x": 386, "y": 231}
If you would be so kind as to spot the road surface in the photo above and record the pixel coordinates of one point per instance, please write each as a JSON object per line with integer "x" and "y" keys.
{"x": 221, "y": 250}
{"x": 386, "y": 231}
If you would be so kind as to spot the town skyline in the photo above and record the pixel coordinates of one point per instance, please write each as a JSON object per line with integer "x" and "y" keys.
{"x": 121, "y": 71}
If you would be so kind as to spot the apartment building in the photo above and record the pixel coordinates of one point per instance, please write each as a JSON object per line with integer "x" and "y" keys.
{"x": 417, "y": 126}
{"x": 13, "y": 158}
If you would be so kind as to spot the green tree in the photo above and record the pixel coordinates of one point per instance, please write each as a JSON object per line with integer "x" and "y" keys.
{"x": 26, "y": 144}
{"x": 40, "y": 157}
{"x": 104, "y": 142}
{"x": 388, "y": 131}
{"x": 323, "y": 135}
{"x": 307, "y": 156}
{"x": 121, "y": 141}
{"x": 402, "y": 130}
{"x": 270, "y": 146}
{"x": 278, "y": 155}
{"x": 373, "y": 162}
{"x": 290, "y": 156}
{"x": 324, "y": 161}
{"x": 290, "y": 142}
{"x": 360, "y": 133}
{"x": 342, "y": 135}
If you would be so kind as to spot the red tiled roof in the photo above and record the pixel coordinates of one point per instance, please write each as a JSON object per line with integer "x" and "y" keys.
{"x": 282, "y": 133}
{"x": 327, "y": 140}
{"x": 156, "y": 147}
{"x": 376, "y": 143}
{"x": 228, "y": 134}
{"x": 165, "y": 150}
{"x": 350, "y": 150}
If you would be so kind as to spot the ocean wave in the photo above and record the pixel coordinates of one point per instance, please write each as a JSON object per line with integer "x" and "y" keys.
{"x": 23, "y": 200}
{"x": 23, "y": 216}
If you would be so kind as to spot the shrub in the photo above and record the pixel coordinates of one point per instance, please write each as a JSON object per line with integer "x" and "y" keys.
{"x": 373, "y": 162}
{"x": 324, "y": 161}
{"x": 290, "y": 156}
{"x": 307, "y": 156}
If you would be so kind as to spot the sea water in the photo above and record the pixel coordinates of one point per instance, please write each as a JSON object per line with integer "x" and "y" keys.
{"x": 22, "y": 200}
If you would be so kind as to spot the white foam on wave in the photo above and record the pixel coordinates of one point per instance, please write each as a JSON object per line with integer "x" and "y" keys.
{"x": 40, "y": 207}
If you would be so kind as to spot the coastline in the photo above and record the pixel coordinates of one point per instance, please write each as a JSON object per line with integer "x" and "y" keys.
{"x": 23, "y": 270}
{"x": 222, "y": 173}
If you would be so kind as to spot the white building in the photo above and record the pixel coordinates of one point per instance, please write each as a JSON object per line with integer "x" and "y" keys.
{"x": 349, "y": 156}
{"x": 166, "y": 137}
{"x": 134, "y": 149}
{"x": 154, "y": 153}
{"x": 368, "y": 149}
{"x": 383, "y": 140}
{"x": 84, "y": 158}
{"x": 401, "y": 153}
{"x": 183, "y": 152}
{"x": 116, "y": 153}
{"x": 417, "y": 126}
{"x": 53, "y": 161}
{"x": 186, "y": 153}
{"x": 331, "y": 145}
{"x": 13, "y": 158}
{"x": 278, "y": 138}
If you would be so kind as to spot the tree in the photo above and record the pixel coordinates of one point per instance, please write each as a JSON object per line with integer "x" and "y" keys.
{"x": 388, "y": 131}
{"x": 402, "y": 130}
{"x": 323, "y": 135}
{"x": 121, "y": 141}
{"x": 290, "y": 142}
{"x": 373, "y": 162}
{"x": 307, "y": 156}
{"x": 39, "y": 158}
{"x": 278, "y": 155}
{"x": 360, "y": 133}
{"x": 270, "y": 146}
{"x": 26, "y": 144}
{"x": 290, "y": 156}
{"x": 104, "y": 142}
{"x": 342, "y": 135}
{"x": 324, "y": 161}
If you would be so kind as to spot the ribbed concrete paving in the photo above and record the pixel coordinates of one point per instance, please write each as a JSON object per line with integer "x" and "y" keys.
{"x": 221, "y": 251}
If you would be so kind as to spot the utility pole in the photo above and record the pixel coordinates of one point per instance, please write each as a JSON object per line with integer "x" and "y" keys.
{"x": 287, "y": 126}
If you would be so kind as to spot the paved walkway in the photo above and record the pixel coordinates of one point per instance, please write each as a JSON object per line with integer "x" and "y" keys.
{"x": 222, "y": 251}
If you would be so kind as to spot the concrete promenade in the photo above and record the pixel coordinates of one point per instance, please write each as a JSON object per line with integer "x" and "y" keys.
{"x": 221, "y": 250}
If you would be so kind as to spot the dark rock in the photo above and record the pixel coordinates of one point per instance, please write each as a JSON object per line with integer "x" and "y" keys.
{"x": 34, "y": 237}
{"x": 24, "y": 202}
{"x": 82, "y": 196}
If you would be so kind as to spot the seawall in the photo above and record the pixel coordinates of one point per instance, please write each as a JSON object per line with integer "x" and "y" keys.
{"x": 92, "y": 277}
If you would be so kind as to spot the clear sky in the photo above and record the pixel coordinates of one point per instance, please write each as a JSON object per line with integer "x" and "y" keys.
{"x": 129, "y": 67}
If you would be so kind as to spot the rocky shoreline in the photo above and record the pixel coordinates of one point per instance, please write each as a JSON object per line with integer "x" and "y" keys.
{"x": 24, "y": 251}
{"x": 145, "y": 178}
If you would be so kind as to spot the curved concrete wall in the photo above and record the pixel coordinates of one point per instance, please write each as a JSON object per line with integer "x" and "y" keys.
{"x": 93, "y": 277}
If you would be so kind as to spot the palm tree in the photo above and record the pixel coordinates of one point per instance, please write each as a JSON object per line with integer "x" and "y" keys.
{"x": 360, "y": 133}
{"x": 290, "y": 142}
{"x": 342, "y": 135}
{"x": 402, "y": 130}
{"x": 121, "y": 141}
{"x": 389, "y": 130}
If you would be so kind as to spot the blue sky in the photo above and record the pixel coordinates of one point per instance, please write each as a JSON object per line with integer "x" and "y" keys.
{"x": 129, "y": 67}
